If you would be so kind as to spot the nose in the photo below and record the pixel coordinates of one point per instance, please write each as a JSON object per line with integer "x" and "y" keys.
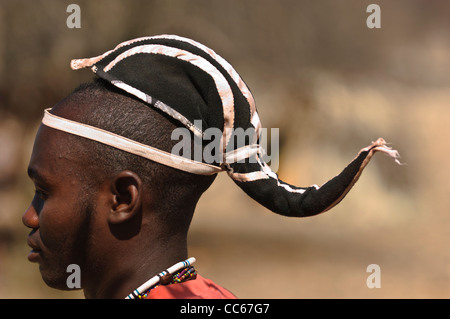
{"x": 30, "y": 218}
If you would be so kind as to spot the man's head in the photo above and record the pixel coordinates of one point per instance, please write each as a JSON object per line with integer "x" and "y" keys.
{"x": 118, "y": 215}
{"x": 91, "y": 196}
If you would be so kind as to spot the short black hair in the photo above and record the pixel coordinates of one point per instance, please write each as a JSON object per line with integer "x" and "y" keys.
{"x": 104, "y": 106}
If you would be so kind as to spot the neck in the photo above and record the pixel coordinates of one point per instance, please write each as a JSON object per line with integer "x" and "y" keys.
{"x": 130, "y": 268}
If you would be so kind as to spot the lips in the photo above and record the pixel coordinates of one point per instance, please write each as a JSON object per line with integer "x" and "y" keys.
{"x": 34, "y": 254}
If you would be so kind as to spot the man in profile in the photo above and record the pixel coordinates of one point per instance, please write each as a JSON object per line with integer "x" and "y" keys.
{"x": 113, "y": 199}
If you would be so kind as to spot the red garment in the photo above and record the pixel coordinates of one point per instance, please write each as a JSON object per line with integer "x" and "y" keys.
{"x": 199, "y": 288}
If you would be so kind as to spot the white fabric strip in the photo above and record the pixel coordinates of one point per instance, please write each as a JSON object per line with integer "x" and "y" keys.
{"x": 80, "y": 63}
{"x": 160, "y": 105}
{"x": 227, "y": 66}
{"x": 265, "y": 173}
{"x": 248, "y": 177}
{"x": 128, "y": 145}
{"x": 231, "y": 71}
{"x": 151, "y": 153}
{"x": 77, "y": 64}
{"x": 223, "y": 88}
{"x": 242, "y": 153}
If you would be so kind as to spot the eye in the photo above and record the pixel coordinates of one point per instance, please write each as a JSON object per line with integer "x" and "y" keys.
{"x": 41, "y": 194}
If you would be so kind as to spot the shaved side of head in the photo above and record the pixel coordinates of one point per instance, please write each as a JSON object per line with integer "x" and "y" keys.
{"x": 98, "y": 103}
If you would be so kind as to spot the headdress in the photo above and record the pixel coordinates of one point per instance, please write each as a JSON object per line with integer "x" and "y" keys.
{"x": 192, "y": 84}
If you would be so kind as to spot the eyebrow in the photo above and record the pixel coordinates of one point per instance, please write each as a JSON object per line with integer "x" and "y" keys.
{"x": 34, "y": 175}
{"x": 31, "y": 173}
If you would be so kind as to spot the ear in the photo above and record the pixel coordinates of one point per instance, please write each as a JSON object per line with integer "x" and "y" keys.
{"x": 126, "y": 189}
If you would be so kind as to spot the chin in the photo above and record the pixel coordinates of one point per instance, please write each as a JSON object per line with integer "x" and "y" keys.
{"x": 57, "y": 283}
{"x": 57, "y": 279}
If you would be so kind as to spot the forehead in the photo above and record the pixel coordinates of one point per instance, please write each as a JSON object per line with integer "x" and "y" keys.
{"x": 56, "y": 155}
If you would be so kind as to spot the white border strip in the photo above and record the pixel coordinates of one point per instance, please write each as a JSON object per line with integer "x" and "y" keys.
{"x": 227, "y": 66}
{"x": 223, "y": 88}
{"x": 128, "y": 145}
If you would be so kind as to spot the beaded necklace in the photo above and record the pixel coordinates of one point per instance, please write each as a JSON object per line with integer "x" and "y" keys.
{"x": 178, "y": 273}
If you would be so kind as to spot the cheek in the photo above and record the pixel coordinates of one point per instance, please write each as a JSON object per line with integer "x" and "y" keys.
{"x": 64, "y": 232}
{"x": 57, "y": 229}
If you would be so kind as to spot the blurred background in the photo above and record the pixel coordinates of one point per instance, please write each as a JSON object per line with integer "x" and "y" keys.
{"x": 320, "y": 75}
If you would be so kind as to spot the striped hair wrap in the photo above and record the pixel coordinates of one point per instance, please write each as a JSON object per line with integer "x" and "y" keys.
{"x": 192, "y": 84}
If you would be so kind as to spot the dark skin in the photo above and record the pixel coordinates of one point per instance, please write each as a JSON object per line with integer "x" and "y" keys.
{"x": 105, "y": 225}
